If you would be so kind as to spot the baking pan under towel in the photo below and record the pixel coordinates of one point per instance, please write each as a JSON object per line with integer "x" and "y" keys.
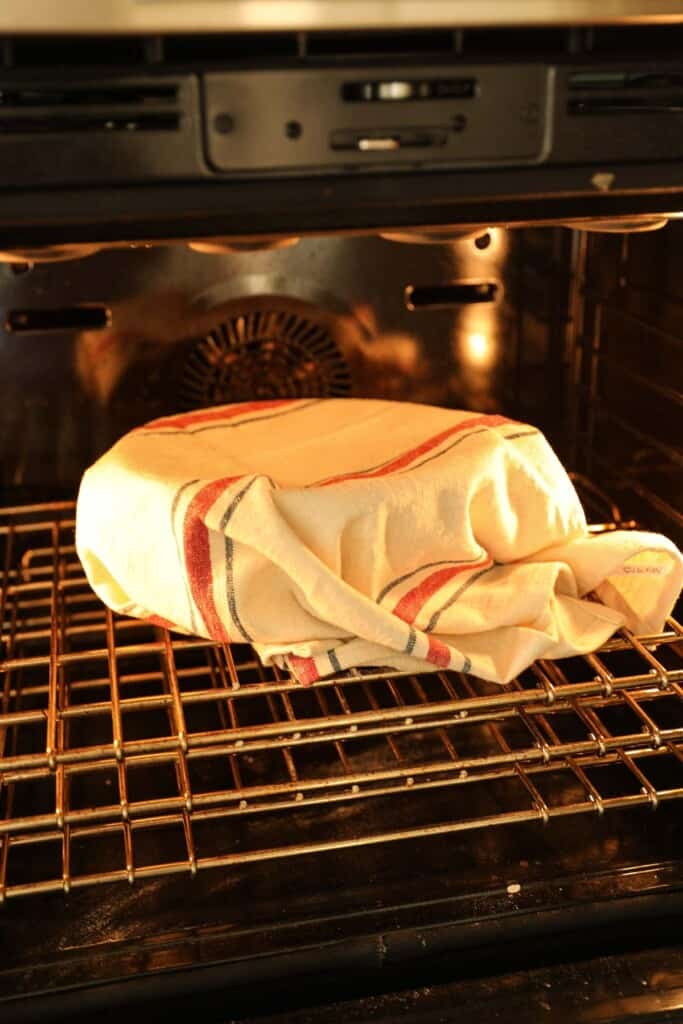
{"x": 340, "y": 533}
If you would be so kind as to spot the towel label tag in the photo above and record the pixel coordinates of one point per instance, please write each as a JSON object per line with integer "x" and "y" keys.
{"x": 644, "y": 570}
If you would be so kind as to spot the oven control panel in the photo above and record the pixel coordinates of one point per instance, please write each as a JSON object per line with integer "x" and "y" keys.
{"x": 342, "y": 118}
{"x": 205, "y": 123}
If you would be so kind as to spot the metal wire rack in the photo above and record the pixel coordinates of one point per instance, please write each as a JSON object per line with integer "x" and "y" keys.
{"x": 128, "y": 753}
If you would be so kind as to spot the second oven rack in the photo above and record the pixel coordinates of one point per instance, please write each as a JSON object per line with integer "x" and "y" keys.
{"x": 171, "y": 754}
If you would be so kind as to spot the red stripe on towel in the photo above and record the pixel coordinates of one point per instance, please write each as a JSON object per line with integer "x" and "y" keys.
{"x": 411, "y": 604}
{"x": 223, "y": 413}
{"x": 401, "y": 461}
{"x": 158, "y": 620}
{"x": 304, "y": 669}
{"x": 197, "y": 554}
{"x": 438, "y": 653}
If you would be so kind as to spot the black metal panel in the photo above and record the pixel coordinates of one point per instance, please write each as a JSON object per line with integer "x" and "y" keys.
{"x": 350, "y": 202}
{"x": 102, "y": 130}
{"x": 631, "y": 111}
{"x": 501, "y": 121}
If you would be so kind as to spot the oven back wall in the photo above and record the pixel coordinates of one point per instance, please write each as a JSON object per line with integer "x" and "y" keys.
{"x": 578, "y": 333}
{"x": 328, "y": 316}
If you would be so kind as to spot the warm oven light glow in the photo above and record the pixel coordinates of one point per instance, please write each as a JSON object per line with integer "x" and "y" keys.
{"x": 478, "y": 348}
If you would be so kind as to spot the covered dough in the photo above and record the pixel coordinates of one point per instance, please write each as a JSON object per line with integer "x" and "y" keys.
{"x": 339, "y": 533}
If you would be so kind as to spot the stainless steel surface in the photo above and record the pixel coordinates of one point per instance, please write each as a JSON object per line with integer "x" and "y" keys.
{"x": 112, "y": 729}
{"x": 627, "y": 370}
{"x": 333, "y": 132}
{"x": 262, "y": 15}
{"x": 70, "y": 394}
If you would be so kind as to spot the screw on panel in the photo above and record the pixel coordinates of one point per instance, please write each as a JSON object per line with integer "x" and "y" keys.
{"x": 603, "y": 180}
{"x": 223, "y": 124}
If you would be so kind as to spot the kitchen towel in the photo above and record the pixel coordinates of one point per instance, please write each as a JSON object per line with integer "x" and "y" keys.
{"x": 339, "y": 533}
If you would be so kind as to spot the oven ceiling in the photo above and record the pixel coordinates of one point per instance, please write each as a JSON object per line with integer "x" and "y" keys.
{"x": 256, "y": 15}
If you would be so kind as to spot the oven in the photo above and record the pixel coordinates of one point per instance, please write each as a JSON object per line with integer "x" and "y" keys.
{"x": 204, "y": 203}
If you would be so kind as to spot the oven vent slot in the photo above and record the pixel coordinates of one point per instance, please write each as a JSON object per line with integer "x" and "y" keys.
{"x": 108, "y": 122}
{"x": 291, "y": 48}
{"x": 86, "y": 96}
{"x": 445, "y": 296}
{"x": 229, "y": 48}
{"x": 370, "y": 44}
{"x": 627, "y": 105}
{"x": 68, "y": 318}
{"x": 626, "y": 92}
{"x": 76, "y": 51}
{"x": 620, "y": 80}
{"x": 90, "y": 107}
{"x": 636, "y": 40}
{"x": 515, "y": 43}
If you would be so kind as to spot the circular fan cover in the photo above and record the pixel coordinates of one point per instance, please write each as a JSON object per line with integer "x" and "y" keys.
{"x": 272, "y": 350}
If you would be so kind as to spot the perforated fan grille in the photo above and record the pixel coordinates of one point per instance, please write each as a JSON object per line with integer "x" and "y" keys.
{"x": 270, "y": 352}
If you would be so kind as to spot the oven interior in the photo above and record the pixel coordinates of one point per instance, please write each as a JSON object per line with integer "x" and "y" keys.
{"x": 170, "y": 809}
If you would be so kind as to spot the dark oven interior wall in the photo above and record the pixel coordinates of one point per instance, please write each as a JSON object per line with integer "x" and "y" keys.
{"x": 595, "y": 335}
{"x": 537, "y": 313}
{"x": 628, "y": 370}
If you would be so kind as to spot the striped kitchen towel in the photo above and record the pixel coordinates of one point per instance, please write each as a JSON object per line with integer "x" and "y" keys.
{"x": 342, "y": 533}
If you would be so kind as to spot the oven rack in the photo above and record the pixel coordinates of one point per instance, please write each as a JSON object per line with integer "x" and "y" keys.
{"x": 127, "y": 752}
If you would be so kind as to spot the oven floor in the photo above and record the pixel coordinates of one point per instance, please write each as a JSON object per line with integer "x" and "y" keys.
{"x": 645, "y": 986}
{"x": 363, "y": 914}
